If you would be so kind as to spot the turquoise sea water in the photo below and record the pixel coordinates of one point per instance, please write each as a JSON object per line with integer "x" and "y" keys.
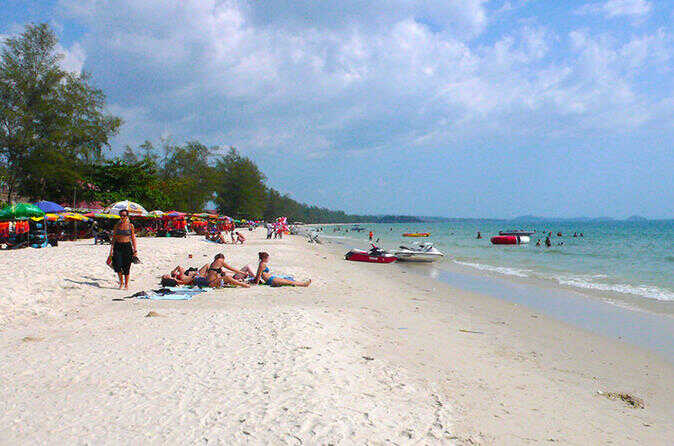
{"x": 627, "y": 263}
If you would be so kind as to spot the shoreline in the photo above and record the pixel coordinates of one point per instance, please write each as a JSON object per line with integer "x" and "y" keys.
{"x": 367, "y": 353}
{"x": 627, "y": 300}
{"x": 593, "y": 311}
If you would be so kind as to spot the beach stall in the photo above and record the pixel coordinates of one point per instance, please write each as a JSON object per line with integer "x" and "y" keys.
{"x": 15, "y": 225}
{"x": 198, "y": 225}
{"x": 102, "y": 226}
{"x": 174, "y": 224}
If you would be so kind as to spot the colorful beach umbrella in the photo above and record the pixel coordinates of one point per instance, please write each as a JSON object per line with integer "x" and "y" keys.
{"x": 50, "y": 207}
{"x": 126, "y": 205}
{"x": 20, "y": 210}
{"x": 74, "y": 217}
{"x": 108, "y": 216}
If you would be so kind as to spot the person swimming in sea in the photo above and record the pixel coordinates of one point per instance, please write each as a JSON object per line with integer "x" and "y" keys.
{"x": 548, "y": 243}
{"x": 538, "y": 243}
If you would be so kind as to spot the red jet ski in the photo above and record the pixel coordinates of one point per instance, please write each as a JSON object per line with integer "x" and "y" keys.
{"x": 374, "y": 255}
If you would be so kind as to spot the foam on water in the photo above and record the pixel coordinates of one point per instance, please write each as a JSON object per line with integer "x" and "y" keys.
{"x": 496, "y": 269}
{"x": 650, "y": 292}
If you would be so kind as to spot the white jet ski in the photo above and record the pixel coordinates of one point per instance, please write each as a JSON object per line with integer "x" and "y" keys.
{"x": 419, "y": 252}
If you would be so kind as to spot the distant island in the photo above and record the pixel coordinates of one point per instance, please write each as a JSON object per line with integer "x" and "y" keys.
{"x": 351, "y": 218}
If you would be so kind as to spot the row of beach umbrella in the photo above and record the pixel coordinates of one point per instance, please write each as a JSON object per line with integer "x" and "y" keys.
{"x": 55, "y": 212}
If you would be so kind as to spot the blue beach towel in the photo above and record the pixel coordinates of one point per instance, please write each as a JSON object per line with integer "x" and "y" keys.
{"x": 178, "y": 293}
{"x": 154, "y": 296}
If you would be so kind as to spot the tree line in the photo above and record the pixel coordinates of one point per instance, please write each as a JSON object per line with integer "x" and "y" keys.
{"x": 55, "y": 131}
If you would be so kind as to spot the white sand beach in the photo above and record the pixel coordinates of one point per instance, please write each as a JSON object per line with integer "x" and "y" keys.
{"x": 366, "y": 355}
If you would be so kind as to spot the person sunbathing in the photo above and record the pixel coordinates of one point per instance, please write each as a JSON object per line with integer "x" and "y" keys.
{"x": 184, "y": 274}
{"x": 264, "y": 275}
{"x": 217, "y": 270}
{"x": 218, "y": 280}
{"x": 216, "y": 237}
{"x": 206, "y": 276}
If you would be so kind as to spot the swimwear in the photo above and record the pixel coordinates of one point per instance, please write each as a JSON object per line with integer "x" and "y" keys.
{"x": 123, "y": 232}
{"x": 200, "y": 281}
{"x": 270, "y": 281}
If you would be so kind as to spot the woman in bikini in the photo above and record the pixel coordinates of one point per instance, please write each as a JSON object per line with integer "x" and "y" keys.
{"x": 123, "y": 249}
{"x": 215, "y": 276}
{"x": 264, "y": 275}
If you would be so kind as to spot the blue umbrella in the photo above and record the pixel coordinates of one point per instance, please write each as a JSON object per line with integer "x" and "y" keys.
{"x": 50, "y": 207}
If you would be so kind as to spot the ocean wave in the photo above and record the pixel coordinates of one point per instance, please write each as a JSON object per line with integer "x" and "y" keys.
{"x": 496, "y": 269}
{"x": 650, "y": 292}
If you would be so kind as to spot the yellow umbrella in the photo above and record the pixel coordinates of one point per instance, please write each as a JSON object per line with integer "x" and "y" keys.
{"x": 76, "y": 217}
{"x": 103, "y": 215}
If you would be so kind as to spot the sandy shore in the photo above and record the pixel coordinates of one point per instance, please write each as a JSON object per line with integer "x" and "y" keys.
{"x": 367, "y": 354}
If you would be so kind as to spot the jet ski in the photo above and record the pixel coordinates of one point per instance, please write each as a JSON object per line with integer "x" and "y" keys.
{"x": 374, "y": 255}
{"x": 419, "y": 252}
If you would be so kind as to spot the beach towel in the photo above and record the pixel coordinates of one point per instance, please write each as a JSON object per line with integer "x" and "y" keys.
{"x": 170, "y": 293}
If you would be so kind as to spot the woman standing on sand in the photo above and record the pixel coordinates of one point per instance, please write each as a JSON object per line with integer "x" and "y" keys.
{"x": 264, "y": 274}
{"x": 123, "y": 249}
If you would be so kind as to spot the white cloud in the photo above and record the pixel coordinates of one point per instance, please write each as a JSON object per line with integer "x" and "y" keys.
{"x": 315, "y": 78}
{"x": 73, "y": 57}
{"x": 617, "y": 8}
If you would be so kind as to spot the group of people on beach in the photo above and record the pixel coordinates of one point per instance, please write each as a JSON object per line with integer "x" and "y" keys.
{"x": 217, "y": 274}
{"x": 220, "y": 237}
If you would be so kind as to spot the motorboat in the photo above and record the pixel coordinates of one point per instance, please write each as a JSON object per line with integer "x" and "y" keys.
{"x": 374, "y": 255}
{"x": 418, "y": 252}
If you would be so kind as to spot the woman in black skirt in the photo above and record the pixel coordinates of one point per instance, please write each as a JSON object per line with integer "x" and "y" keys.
{"x": 123, "y": 249}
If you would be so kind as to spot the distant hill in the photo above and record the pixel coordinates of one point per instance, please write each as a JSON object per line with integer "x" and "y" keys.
{"x": 636, "y": 218}
{"x": 535, "y": 219}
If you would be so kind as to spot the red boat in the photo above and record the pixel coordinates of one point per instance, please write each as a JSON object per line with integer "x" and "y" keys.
{"x": 509, "y": 239}
{"x": 374, "y": 255}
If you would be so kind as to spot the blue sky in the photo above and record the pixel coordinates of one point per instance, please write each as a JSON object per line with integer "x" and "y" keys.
{"x": 465, "y": 108}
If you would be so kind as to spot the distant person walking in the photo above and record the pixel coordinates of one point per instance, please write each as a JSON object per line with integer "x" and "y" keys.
{"x": 371, "y": 235}
{"x": 479, "y": 235}
{"x": 123, "y": 249}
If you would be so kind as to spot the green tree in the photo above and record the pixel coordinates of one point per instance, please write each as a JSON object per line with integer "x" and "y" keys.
{"x": 116, "y": 180}
{"x": 190, "y": 176}
{"x": 129, "y": 155}
{"x": 239, "y": 186}
{"x": 52, "y": 122}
